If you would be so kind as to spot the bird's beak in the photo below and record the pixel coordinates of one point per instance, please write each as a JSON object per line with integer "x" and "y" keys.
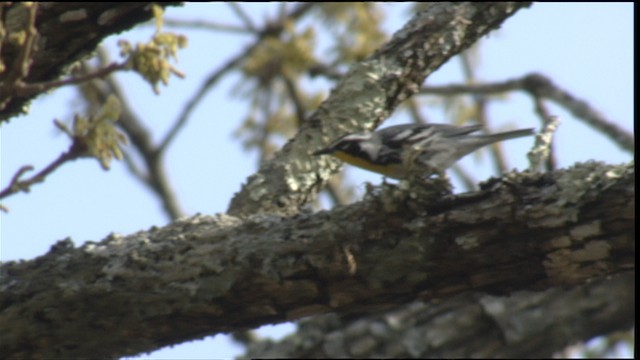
{"x": 324, "y": 151}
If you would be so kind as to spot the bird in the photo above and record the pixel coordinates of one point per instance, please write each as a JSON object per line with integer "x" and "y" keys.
{"x": 398, "y": 151}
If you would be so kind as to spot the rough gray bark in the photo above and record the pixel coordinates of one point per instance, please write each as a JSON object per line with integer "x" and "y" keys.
{"x": 468, "y": 326}
{"x": 206, "y": 275}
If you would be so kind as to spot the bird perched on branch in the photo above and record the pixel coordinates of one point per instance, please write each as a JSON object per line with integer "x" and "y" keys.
{"x": 401, "y": 150}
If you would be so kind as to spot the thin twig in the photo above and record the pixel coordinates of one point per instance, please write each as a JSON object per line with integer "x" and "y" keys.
{"x": 36, "y": 88}
{"x": 195, "y": 100}
{"x": 15, "y": 179}
{"x": 206, "y": 25}
{"x": 17, "y": 185}
{"x": 540, "y": 86}
{"x": 486, "y": 89}
{"x": 550, "y": 124}
{"x": 134, "y": 169}
{"x": 542, "y": 150}
{"x": 156, "y": 177}
{"x": 243, "y": 16}
{"x": 544, "y": 87}
{"x": 480, "y": 102}
{"x": 294, "y": 94}
{"x": 296, "y": 13}
{"x": 151, "y": 173}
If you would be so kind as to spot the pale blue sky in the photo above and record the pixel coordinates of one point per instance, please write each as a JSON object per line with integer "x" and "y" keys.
{"x": 585, "y": 48}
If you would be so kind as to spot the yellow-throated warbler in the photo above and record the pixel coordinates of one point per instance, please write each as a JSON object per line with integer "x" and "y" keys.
{"x": 435, "y": 147}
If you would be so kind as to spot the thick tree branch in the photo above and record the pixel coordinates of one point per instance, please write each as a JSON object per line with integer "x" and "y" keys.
{"x": 525, "y": 324}
{"x": 66, "y": 31}
{"x": 366, "y": 96}
{"x": 206, "y": 275}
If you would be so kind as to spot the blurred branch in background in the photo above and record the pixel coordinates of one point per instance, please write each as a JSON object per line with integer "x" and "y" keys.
{"x": 540, "y": 87}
